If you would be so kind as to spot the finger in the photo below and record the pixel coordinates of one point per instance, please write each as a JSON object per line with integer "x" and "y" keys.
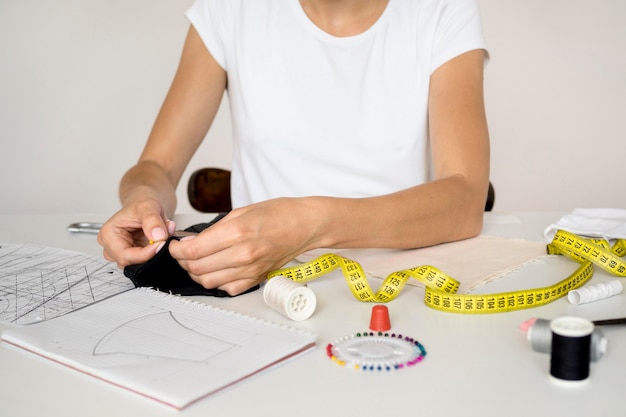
{"x": 191, "y": 248}
{"x": 171, "y": 227}
{"x": 216, "y": 268}
{"x": 214, "y": 279}
{"x": 231, "y": 280}
{"x": 239, "y": 286}
{"x": 213, "y": 269}
{"x": 114, "y": 242}
{"x": 132, "y": 255}
{"x": 155, "y": 228}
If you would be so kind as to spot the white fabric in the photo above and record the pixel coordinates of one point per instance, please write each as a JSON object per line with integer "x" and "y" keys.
{"x": 315, "y": 114}
{"x": 604, "y": 223}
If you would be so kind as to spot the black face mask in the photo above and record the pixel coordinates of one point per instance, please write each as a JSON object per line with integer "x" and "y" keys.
{"x": 163, "y": 273}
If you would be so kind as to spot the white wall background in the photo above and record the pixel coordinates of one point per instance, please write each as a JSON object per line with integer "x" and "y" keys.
{"x": 81, "y": 82}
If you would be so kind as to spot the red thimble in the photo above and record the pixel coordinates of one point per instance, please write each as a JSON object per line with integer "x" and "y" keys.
{"x": 380, "y": 319}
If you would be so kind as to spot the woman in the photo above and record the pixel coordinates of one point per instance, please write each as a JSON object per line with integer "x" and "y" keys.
{"x": 357, "y": 123}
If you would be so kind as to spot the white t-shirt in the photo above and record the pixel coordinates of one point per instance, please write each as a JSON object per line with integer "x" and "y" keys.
{"x": 315, "y": 114}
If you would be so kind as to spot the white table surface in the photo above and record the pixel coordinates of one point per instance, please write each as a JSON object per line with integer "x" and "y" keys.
{"x": 477, "y": 365}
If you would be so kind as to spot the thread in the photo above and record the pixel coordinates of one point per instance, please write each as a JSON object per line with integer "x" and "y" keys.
{"x": 540, "y": 337}
{"x": 571, "y": 348}
{"x": 293, "y": 300}
{"x": 595, "y": 292}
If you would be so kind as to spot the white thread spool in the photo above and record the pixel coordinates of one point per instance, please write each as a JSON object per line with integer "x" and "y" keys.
{"x": 595, "y": 292}
{"x": 289, "y": 298}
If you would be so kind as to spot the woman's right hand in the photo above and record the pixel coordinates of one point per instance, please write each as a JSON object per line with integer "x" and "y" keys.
{"x": 126, "y": 236}
{"x": 148, "y": 190}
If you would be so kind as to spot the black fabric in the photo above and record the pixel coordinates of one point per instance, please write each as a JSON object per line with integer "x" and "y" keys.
{"x": 162, "y": 272}
{"x": 197, "y": 228}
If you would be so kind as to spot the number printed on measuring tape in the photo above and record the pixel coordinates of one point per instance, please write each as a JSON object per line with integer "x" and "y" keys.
{"x": 441, "y": 289}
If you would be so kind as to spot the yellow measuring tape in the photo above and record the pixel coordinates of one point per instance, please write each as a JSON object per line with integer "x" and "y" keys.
{"x": 440, "y": 289}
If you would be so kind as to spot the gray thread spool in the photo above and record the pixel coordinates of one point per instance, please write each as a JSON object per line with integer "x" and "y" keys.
{"x": 289, "y": 298}
{"x": 540, "y": 337}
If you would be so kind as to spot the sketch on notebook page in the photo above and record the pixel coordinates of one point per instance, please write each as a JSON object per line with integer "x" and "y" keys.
{"x": 38, "y": 283}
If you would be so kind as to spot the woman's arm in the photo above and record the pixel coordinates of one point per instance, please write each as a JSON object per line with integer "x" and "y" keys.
{"x": 240, "y": 250}
{"x": 451, "y": 206}
{"x": 148, "y": 189}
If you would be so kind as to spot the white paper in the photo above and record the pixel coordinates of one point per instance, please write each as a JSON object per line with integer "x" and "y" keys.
{"x": 38, "y": 283}
{"x": 162, "y": 346}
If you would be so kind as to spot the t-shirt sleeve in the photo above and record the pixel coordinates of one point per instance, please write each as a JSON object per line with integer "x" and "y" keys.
{"x": 458, "y": 30}
{"x": 207, "y": 18}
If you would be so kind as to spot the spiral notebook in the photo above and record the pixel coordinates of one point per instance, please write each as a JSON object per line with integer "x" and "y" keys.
{"x": 162, "y": 346}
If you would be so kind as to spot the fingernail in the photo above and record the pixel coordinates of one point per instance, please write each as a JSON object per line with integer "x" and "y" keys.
{"x": 171, "y": 226}
{"x": 158, "y": 234}
{"x": 159, "y": 247}
{"x": 188, "y": 238}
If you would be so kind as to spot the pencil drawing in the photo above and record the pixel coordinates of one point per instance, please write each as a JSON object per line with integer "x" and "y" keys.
{"x": 39, "y": 283}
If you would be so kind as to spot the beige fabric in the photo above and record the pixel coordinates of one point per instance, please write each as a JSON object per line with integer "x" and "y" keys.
{"x": 473, "y": 262}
